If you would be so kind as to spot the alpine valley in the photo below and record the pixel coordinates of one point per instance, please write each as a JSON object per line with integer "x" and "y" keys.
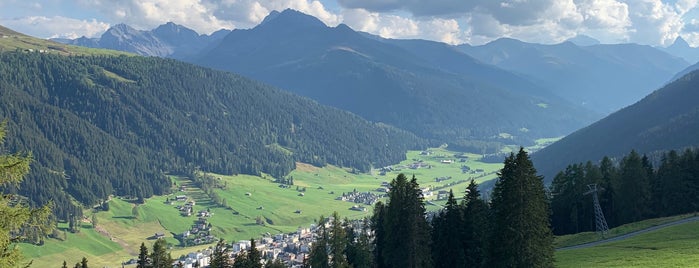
{"x": 266, "y": 130}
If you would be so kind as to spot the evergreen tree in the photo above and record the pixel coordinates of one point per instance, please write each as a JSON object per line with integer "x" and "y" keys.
{"x": 377, "y": 227}
{"x": 160, "y": 258}
{"x": 65, "y": 265}
{"x": 476, "y": 228}
{"x": 606, "y": 197}
{"x": 221, "y": 256}
{"x": 83, "y": 263}
{"x": 407, "y": 234}
{"x": 447, "y": 246}
{"x": 632, "y": 190}
{"x": 359, "y": 253}
{"x": 143, "y": 259}
{"x": 337, "y": 243}
{"x": 15, "y": 215}
{"x": 521, "y": 236}
{"x": 319, "y": 255}
{"x": 250, "y": 259}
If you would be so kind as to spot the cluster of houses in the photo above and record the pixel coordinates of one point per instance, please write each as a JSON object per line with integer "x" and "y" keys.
{"x": 199, "y": 233}
{"x": 367, "y": 198}
{"x": 292, "y": 249}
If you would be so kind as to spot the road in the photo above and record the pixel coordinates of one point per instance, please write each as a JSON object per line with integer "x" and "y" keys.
{"x": 631, "y": 234}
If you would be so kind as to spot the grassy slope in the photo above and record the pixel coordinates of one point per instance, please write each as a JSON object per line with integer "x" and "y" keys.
{"x": 587, "y": 237}
{"x": 11, "y": 41}
{"x": 674, "y": 246}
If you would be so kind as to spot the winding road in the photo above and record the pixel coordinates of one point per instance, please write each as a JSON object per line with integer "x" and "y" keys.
{"x": 631, "y": 234}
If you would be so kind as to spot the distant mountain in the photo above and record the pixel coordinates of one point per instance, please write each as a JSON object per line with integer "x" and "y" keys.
{"x": 116, "y": 125}
{"x": 664, "y": 120}
{"x": 604, "y": 78}
{"x": 681, "y": 48}
{"x": 167, "y": 40}
{"x": 583, "y": 40}
{"x": 426, "y": 87}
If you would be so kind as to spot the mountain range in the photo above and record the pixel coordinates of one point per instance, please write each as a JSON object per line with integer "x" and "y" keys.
{"x": 461, "y": 99}
{"x": 601, "y": 77}
{"x": 168, "y": 40}
{"x": 380, "y": 78}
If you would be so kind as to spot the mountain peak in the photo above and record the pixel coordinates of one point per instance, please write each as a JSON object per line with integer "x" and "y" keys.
{"x": 583, "y": 40}
{"x": 291, "y": 18}
{"x": 172, "y": 31}
{"x": 680, "y": 43}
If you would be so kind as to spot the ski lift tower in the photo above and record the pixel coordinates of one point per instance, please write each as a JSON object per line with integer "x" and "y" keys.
{"x": 600, "y": 222}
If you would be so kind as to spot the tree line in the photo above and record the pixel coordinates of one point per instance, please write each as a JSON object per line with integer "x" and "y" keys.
{"x": 632, "y": 190}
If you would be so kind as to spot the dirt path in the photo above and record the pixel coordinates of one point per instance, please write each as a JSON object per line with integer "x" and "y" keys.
{"x": 631, "y": 234}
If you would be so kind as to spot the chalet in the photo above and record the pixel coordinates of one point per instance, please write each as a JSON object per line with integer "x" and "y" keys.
{"x": 446, "y": 161}
{"x": 181, "y": 198}
{"x": 159, "y": 235}
{"x": 442, "y": 194}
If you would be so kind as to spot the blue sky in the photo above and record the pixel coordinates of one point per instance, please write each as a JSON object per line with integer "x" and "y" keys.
{"x": 652, "y": 22}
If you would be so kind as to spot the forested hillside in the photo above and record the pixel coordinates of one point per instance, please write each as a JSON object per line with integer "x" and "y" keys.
{"x": 116, "y": 125}
{"x": 664, "y": 120}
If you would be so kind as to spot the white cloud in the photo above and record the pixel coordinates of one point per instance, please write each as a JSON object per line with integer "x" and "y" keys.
{"x": 48, "y": 27}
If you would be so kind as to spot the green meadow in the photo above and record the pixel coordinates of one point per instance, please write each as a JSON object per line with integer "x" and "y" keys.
{"x": 675, "y": 246}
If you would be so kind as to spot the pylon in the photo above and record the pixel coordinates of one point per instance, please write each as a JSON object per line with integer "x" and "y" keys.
{"x": 600, "y": 222}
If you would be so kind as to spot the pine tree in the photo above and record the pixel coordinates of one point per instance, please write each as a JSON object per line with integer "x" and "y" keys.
{"x": 337, "y": 243}
{"x": 143, "y": 259}
{"x": 65, "y": 265}
{"x": 377, "y": 227}
{"x": 607, "y": 196}
{"x": 83, "y": 263}
{"x": 220, "y": 257}
{"x": 160, "y": 258}
{"x": 250, "y": 259}
{"x": 447, "y": 246}
{"x": 13, "y": 169}
{"x": 632, "y": 189}
{"x": 407, "y": 234}
{"x": 359, "y": 253}
{"x": 319, "y": 255}
{"x": 521, "y": 236}
{"x": 476, "y": 228}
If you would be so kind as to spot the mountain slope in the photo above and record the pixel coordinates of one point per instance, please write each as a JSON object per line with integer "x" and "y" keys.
{"x": 387, "y": 83}
{"x": 666, "y": 119}
{"x": 115, "y": 125}
{"x": 604, "y": 78}
{"x": 11, "y": 41}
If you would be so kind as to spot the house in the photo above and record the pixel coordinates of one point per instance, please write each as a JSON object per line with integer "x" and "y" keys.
{"x": 159, "y": 235}
{"x": 446, "y": 161}
{"x": 181, "y": 198}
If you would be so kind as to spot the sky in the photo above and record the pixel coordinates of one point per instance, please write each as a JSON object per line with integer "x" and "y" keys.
{"x": 651, "y": 22}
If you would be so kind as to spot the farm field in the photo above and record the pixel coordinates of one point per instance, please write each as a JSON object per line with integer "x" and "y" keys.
{"x": 120, "y": 231}
{"x": 674, "y": 246}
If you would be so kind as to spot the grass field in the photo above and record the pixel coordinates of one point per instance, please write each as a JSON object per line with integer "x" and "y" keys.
{"x": 586, "y": 237}
{"x": 676, "y": 246}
